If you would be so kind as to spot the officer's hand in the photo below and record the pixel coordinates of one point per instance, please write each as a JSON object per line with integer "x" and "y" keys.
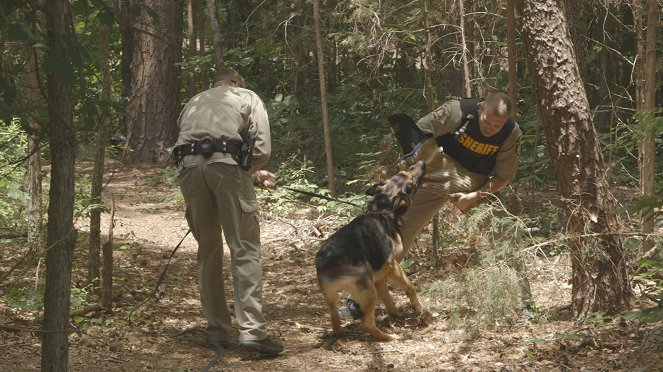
{"x": 264, "y": 179}
{"x": 464, "y": 200}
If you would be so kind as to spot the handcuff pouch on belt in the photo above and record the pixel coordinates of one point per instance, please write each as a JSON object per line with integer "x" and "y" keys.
{"x": 240, "y": 151}
{"x": 206, "y": 147}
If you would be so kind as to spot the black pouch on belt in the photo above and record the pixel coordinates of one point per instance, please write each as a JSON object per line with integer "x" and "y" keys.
{"x": 206, "y": 147}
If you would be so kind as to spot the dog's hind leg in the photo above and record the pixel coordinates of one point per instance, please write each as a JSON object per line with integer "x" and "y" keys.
{"x": 366, "y": 295}
{"x": 331, "y": 296}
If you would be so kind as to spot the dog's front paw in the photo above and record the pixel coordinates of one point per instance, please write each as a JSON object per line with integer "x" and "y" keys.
{"x": 425, "y": 317}
{"x": 390, "y": 337}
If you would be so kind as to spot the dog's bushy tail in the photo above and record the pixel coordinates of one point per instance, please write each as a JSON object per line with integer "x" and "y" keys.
{"x": 343, "y": 274}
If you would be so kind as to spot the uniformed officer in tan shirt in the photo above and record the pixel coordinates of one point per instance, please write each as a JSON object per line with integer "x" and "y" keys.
{"x": 464, "y": 163}
{"x": 217, "y": 180}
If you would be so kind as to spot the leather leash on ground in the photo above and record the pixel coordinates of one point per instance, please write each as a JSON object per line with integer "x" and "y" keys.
{"x": 162, "y": 276}
{"x": 308, "y": 193}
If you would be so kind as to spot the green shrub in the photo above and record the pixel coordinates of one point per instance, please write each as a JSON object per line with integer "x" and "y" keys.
{"x": 13, "y": 198}
{"x": 480, "y": 299}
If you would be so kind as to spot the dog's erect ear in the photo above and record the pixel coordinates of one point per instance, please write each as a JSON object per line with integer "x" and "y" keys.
{"x": 376, "y": 188}
{"x": 402, "y": 202}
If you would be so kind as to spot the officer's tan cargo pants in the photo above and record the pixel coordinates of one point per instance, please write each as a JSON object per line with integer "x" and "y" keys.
{"x": 220, "y": 199}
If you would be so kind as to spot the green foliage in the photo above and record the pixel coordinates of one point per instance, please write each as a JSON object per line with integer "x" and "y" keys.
{"x": 284, "y": 201}
{"x": 28, "y": 299}
{"x": 501, "y": 238}
{"x": 534, "y": 167}
{"x": 13, "y": 145}
{"x": 33, "y": 299}
{"x": 651, "y": 315}
{"x": 491, "y": 293}
{"x": 650, "y": 280}
{"x": 480, "y": 299}
{"x": 621, "y": 146}
{"x": 83, "y": 204}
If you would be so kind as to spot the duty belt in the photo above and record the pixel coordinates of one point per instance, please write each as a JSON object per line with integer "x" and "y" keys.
{"x": 208, "y": 146}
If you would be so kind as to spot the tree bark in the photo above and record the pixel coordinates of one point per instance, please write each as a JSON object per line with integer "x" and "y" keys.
{"x": 645, "y": 105}
{"x": 323, "y": 99}
{"x": 155, "y": 86}
{"x": 127, "y": 35}
{"x": 107, "y": 268}
{"x": 34, "y": 205}
{"x": 94, "y": 242}
{"x": 430, "y": 101}
{"x": 216, "y": 35}
{"x": 511, "y": 48}
{"x": 61, "y": 235}
{"x": 466, "y": 55}
{"x": 599, "y": 278}
{"x": 192, "y": 48}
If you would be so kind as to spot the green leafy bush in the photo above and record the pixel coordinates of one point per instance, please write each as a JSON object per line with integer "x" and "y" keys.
{"x": 482, "y": 298}
{"x": 13, "y": 198}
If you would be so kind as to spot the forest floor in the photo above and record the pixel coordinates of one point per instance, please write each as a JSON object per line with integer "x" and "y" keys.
{"x": 166, "y": 334}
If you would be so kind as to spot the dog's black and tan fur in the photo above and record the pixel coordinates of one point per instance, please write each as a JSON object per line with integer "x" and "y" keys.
{"x": 360, "y": 258}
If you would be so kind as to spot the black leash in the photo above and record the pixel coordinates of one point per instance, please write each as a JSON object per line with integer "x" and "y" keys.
{"x": 308, "y": 193}
{"x": 156, "y": 288}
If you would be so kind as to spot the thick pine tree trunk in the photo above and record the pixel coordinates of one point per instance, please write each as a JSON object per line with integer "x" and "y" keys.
{"x": 154, "y": 102}
{"x": 600, "y": 282}
{"x": 61, "y": 235}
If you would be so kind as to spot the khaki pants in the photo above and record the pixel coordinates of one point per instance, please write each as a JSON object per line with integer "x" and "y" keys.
{"x": 444, "y": 176}
{"x": 220, "y": 200}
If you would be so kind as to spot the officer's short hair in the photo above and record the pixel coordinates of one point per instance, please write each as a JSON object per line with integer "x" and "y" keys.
{"x": 499, "y": 104}
{"x": 228, "y": 76}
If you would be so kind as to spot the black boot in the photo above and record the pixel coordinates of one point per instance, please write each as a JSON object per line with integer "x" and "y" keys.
{"x": 350, "y": 309}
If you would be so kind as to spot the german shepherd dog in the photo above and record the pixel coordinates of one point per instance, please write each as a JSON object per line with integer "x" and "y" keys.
{"x": 360, "y": 257}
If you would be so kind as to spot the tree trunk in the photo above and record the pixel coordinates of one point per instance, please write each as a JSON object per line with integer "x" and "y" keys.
{"x": 466, "y": 55}
{"x": 216, "y": 35}
{"x": 645, "y": 105}
{"x": 98, "y": 170}
{"x": 203, "y": 79}
{"x": 34, "y": 204}
{"x": 511, "y": 47}
{"x": 61, "y": 235}
{"x": 323, "y": 99}
{"x": 155, "y": 86}
{"x": 192, "y": 47}
{"x": 430, "y": 100}
{"x": 127, "y": 34}
{"x": 107, "y": 268}
{"x": 599, "y": 278}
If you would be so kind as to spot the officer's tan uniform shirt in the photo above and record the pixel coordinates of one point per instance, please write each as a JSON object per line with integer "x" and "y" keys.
{"x": 220, "y": 112}
{"x": 447, "y": 118}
